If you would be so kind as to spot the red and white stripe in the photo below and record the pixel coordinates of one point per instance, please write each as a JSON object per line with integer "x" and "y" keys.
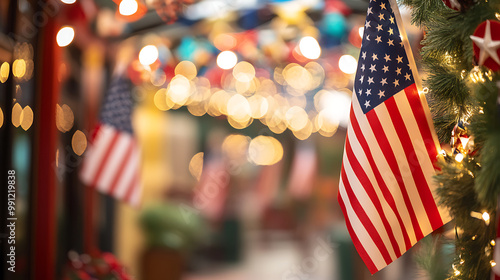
{"x": 386, "y": 186}
{"x": 112, "y": 164}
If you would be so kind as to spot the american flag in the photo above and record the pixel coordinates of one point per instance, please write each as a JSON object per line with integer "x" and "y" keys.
{"x": 112, "y": 162}
{"x": 386, "y": 187}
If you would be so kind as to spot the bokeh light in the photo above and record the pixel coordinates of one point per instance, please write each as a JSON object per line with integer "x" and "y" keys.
{"x": 64, "y": 118}
{"x": 19, "y": 68}
{"x": 4, "y": 72}
{"x": 348, "y": 64}
{"x": 244, "y": 71}
{"x": 258, "y": 105}
{"x": 238, "y": 108}
{"x": 186, "y": 69}
{"x": 16, "y": 114}
{"x": 296, "y": 118}
{"x": 265, "y": 150}
{"x": 65, "y": 36}
{"x": 179, "y": 90}
{"x": 128, "y": 7}
{"x": 26, "y": 118}
{"x": 224, "y": 41}
{"x": 334, "y": 105}
{"x": 235, "y": 146}
{"x": 79, "y": 142}
{"x": 148, "y": 55}
{"x": 309, "y": 47}
{"x": 160, "y": 100}
{"x": 298, "y": 78}
{"x": 196, "y": 165}
{"x": 227, "y": 60}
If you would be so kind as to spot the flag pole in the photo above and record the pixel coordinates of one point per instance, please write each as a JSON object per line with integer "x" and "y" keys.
{"x": 416, "y": 76}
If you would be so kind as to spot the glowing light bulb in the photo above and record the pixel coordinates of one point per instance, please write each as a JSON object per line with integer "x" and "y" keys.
{"x": 148, "y": 55}
{"x": 227, "y": 60}
{"x": 128, "y": 7}
{"x": 348, "y": 64}
{"x": 486, "y": 217}
{"x": 65, "y": 36}
{"x": 309, "y": 47}
{"x": 459, "y": 157}
{"x": 68, "y": 1}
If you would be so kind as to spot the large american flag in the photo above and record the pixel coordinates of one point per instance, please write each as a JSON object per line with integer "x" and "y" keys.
{"x": 386, "y": 187}
{"x": 112, "y": 162}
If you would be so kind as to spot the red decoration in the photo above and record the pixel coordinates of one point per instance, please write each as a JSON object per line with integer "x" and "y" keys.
{"x": 337, "y": 6}
{"x": 486, "y": 42}
{"x": 453, "y": 4}
{"x": 460, "y": 5}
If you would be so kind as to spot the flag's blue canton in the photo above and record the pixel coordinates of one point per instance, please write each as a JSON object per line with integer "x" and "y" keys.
{"x": 118, "y": 105}
{"x": 383, "y": 67}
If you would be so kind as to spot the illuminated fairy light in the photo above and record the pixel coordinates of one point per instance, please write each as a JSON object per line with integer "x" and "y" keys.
{"x": 128, "y": 7}
{"x": 227, "y": 60}
{"x": 424, "y": 91}
{"x": 493, "y": 263}
{"x": 455, "y": 270}
{"x": 148, "y": 55}
{"x": 69, "y": 2}
{"x": 65, "y": 36}
{"x": 492, "y": 242}
{"x": 442, "y": 152}
{"x": 459, "y": 157}
{"x": 486, "y": 218}
{"x": 348, "y": 64}
{"x": 481, "y": 216}
{"x": 309, "y": 47}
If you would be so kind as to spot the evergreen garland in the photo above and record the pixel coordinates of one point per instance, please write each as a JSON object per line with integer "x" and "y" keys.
{"x": 461, "y": 91}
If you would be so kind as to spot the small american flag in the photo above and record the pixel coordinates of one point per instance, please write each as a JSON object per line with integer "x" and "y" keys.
{"x": 112, "y": 162}
{"x": 386, "y": 186}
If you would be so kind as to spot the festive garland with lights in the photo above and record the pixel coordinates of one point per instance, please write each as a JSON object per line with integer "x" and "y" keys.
{"x": 463, "y": 87}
